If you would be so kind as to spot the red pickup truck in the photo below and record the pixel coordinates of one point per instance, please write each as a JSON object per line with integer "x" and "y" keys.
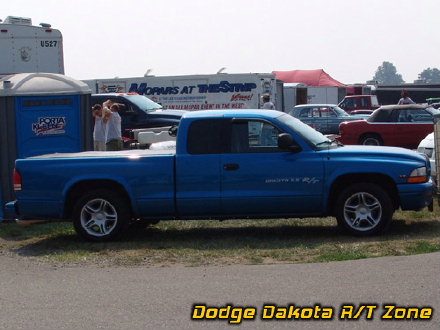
{"x": 359, "y": 102}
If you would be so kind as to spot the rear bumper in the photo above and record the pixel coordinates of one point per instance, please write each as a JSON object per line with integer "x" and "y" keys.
{"x": 11, "y": 211}
{"x": 416, "y": 196}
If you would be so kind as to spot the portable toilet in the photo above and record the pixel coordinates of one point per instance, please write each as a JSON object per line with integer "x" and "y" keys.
{"x": 40, "y": 113}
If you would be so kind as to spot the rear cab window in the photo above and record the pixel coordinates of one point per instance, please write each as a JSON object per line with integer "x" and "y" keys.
{"x": 208, "y": 136}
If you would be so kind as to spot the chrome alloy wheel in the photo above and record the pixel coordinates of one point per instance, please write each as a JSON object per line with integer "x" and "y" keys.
{"x": 362, "y": 211}
{"x": 98, "y": 217}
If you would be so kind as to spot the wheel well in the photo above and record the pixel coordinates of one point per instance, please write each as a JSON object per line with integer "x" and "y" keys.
{"x": 79, "y": 188}
{"x": 384, "y": 181}
{"x": 376, "y": 135}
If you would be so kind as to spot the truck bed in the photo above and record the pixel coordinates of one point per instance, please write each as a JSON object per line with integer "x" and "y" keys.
{"x": 92, "y": 154}
{"x": 146, "y": 175}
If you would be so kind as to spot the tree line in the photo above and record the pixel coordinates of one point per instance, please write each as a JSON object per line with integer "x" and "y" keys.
{"x": 386, "y": 74}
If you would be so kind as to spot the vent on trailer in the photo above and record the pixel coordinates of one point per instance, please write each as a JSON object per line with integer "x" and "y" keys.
{"x": 18, "y": 20}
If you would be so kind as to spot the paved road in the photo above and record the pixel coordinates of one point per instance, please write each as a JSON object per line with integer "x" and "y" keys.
{"x": 41, "y": 296}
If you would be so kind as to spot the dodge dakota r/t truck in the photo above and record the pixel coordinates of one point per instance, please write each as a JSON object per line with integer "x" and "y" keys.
{"x": 226, "y": 164}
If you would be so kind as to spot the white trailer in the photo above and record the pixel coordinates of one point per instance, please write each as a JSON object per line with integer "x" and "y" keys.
{"x": 299, "y": 93}
{"x": 199, "y": 92}
{"x": 28, "y": 48}
{"x": 294, "y": 94}
{"x": 323, "y": 94}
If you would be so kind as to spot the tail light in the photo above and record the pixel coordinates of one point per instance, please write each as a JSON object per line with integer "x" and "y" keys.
{"x": 342, "y": 127}
{"x": 17, "y": 180}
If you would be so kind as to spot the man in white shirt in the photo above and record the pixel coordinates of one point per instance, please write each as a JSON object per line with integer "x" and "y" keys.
{"x": 113, "y": 136}
{"x": 98, "y": 129}
{"x": 405, "y": 98}
{"x": 266, "y": 102}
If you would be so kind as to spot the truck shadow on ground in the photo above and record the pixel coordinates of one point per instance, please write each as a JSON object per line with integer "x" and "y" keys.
{"x": 230, "y": 238}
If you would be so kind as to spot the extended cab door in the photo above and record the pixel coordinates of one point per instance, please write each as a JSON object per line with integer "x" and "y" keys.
{"x": 258, "y": 178}
{"x": 198, "y": 168}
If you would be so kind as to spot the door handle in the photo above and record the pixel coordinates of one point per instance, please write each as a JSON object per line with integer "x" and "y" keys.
{"x": 231, "y": 167}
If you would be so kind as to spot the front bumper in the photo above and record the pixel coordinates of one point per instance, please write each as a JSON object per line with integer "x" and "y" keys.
{"x": 416, "y": 196}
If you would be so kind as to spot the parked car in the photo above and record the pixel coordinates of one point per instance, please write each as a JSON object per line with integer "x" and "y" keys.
{"x": 325, "y": 118}
{"x": 138, "y": 111}
{"x": 427, "y": 147}
{"x": 435, "y": 105}
{"x": 391, "y": 125}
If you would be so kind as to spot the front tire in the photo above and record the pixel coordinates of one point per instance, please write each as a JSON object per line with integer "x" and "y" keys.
{"x": 101, "y": 215}
{"x": 364, "y": 209}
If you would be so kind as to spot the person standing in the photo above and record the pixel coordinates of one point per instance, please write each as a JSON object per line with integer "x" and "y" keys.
{"x": 266, "y": 102}
{"x": 405, "y": 98}
{"x": 98, "y": 129}
{"x": 113, "y": 126}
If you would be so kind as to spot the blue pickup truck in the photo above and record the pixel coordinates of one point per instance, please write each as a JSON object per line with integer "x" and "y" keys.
{"x": 226, "y": 164}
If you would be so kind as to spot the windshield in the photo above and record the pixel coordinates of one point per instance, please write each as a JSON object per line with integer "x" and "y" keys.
{"x": 144, "y": 103}
{"x": 311, "y": 135}
{"x": 340, "y": 112}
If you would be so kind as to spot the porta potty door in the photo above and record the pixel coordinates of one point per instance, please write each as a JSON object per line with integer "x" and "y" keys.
{"x": 47, "y": 124}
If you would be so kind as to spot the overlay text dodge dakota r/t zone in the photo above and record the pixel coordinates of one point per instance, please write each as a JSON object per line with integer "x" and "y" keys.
{"x": 240, "y": 164}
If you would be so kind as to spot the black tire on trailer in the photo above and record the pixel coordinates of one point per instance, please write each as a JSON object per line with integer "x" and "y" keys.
{"x": 364, "y": 209}
{"x": 101, "y": 215}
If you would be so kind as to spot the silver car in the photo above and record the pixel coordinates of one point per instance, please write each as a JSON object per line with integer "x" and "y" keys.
{"x": 325, "y": 118}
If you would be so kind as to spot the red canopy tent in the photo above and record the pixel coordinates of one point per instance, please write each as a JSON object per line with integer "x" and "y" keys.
{"x": 310, "y": 77}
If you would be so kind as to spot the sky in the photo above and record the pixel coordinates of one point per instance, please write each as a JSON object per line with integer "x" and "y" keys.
{"x": 348, "y": 39}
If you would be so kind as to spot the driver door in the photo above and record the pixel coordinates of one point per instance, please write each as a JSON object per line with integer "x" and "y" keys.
{"x": 258, "y": 178}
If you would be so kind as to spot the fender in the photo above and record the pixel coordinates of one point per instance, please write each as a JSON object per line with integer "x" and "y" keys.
{"x": 98, "y": 177}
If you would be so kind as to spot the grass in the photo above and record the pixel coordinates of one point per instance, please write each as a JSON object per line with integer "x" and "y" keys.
{"x": 204, "y": 242}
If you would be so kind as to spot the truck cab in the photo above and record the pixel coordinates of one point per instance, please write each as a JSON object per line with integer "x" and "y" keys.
{"x": 138, "y": 111}
{"x": 359, "y": 102}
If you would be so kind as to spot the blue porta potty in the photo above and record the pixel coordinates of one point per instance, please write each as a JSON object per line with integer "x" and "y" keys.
{"x": 40, "y": 113}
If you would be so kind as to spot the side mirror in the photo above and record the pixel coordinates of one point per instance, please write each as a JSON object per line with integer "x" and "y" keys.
{"x": 286, "y": 141}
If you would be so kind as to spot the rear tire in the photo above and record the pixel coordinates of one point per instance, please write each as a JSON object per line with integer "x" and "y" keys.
{"x": 371, "y": 140}
{"x": 101, "y": 215}
{"x": 364, "y": 209}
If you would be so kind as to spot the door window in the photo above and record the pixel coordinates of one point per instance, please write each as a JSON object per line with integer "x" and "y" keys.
{"x": 327, "y": 112}
{"x": 254, "y": 137}
{"x": 414, "y": 115}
